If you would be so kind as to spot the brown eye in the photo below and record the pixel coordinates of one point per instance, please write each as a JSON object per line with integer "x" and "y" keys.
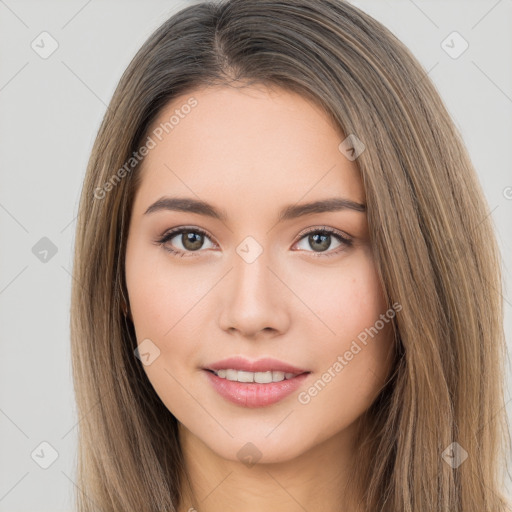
{"x": 184, "y": 241}
{"x": 320, "y": 240}
{"x": 191, "y": 240}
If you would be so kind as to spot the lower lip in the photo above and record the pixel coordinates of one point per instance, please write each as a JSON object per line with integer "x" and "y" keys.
{"x": 252, "y": 394}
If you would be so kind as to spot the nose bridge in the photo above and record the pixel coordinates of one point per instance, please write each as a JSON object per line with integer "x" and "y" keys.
{"x": 253, "y": 293}
{"x": 252, "y": 280}
{"x": 252, "y": 277}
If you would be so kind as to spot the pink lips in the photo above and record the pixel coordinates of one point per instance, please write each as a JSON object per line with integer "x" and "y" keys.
{"x": 252, "y": 394}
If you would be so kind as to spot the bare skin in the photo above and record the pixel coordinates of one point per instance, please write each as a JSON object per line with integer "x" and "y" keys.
{"x": 250, "y": 152}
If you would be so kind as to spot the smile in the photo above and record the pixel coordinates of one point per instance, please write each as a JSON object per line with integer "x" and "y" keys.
{"x": 259, "y": 377}
{"x": 245, "y": 390}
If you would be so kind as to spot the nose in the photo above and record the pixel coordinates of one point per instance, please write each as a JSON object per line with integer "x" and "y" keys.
{"x": 255, "y": 302}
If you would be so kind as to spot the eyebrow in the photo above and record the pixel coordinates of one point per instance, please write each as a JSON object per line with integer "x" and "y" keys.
{"x": 185, "y": 204}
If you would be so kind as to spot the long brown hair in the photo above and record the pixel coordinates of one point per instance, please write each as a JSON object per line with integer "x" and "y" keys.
{"x": 433, "y": 241}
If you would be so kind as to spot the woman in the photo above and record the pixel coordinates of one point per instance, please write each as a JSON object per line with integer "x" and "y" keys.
{"x": 286, "y": 287}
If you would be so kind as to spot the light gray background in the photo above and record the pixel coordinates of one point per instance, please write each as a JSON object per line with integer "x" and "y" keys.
{"x": 50, "y": 112}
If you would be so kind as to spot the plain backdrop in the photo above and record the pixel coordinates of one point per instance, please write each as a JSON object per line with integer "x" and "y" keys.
{"x": 51, "y": 107}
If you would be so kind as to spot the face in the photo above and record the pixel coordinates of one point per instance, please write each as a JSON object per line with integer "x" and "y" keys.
{"x": 262, "y": 278}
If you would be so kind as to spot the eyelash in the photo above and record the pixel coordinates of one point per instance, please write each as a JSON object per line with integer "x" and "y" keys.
{"x": 169, "y": 235}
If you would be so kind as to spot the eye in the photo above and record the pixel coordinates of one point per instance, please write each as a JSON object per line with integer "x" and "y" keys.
{"x": 321, "y": 239}
{"x": 189, "y": 240}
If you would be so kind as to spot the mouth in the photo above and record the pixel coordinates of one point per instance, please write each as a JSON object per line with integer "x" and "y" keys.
{"x": 254, "y": 383}
{"x": 251, "y": 393}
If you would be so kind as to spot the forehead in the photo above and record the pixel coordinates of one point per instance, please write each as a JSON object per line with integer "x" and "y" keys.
{"x": 254, "y": 142}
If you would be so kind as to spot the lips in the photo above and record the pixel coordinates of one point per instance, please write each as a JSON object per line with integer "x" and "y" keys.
{"x": 254, "y": 383}
{"x": 252, "y": 394}
{"x": 261, "y": 365}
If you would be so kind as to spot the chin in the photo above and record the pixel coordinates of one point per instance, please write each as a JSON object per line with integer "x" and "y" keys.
{"x": 259, "y": 447}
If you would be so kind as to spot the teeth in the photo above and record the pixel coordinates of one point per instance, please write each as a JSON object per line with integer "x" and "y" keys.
{"x": 259, "y": 377}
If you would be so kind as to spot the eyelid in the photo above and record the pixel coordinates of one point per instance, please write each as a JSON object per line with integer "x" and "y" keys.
{"x": 327, "y": 229}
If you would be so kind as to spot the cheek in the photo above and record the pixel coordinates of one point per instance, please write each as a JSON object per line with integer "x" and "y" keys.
{"x": 167, "y": 308}
{"x": 347, "y": 299}
{"x": 162, "y": 304}
{"x": 356, "y": 353}
{"x": 161, "y": 295}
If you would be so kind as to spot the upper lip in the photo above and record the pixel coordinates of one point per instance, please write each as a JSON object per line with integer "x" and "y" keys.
{"x": 261, "y": 365}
